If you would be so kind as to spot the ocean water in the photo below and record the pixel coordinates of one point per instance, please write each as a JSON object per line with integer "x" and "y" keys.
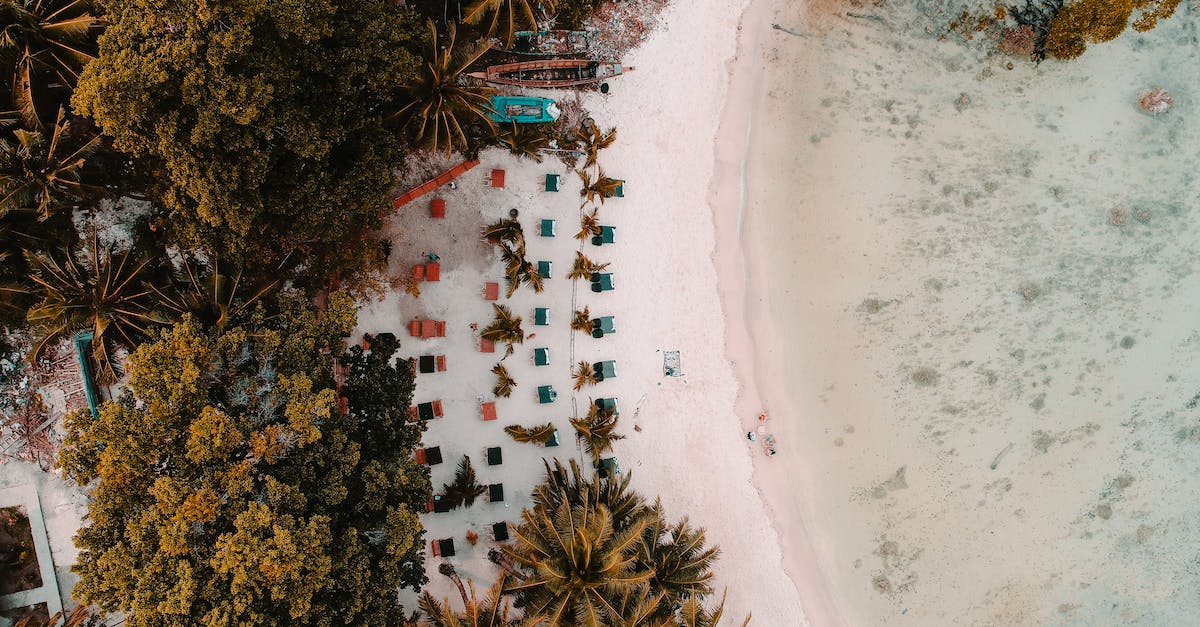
{"x": 985, "y": 319}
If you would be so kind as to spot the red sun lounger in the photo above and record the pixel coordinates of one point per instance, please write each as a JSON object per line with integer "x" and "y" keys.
{"x": 488, "y": 410}
{"x": 491, "y": 291}
{"x": 433, "y": 272}
{"x": 438, "y": 208}
{"x": 486, "y": 345}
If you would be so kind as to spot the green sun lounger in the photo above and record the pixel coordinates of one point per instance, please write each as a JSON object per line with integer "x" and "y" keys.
{"x": 608, "y": 235}
{"x": 606, "y": 404}
{"x": 547, "y": 228}
{"x": 605, "y": 369}
{"x": 541, "y": 316}
{"x": 602, "y": 282}
{"x": 603, "y": 326}
{"x": 545, "y": 269}
{"x": 541, "y": 356}
{"x": 608, "y": 467}
{"x": 552, "y": 181}
{"x": 546, "y": 394}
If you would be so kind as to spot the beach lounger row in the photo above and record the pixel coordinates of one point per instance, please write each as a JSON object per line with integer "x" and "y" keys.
{"x": 427, "y": 328}
{"x": 427, "y": 272}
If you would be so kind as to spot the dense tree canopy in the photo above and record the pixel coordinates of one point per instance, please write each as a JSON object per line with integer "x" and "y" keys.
{"x": 231, "y": 488}
{"x": 266, "y": 117}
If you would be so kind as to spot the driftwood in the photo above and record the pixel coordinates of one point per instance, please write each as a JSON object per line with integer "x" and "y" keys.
{"x": 1038, "y": 15}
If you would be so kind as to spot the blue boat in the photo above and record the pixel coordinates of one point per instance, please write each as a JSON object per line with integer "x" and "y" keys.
{"x": 523, "y": 110}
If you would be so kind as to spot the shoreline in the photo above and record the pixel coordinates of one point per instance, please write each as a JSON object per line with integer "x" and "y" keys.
{"x": 746, "y": 323}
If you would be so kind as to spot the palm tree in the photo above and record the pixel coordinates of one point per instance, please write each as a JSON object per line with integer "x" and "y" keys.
{"x": 589, "y": 225}
{"x": 41, "y": 175}
{"x": 505, "y": 327}
{"x": 504, "y": 382}
{"x": 582, "y": 320}
{"x": 104, "y": 291}
{"x": 45, "y": 44}
{"x": 594, "y": 141}
{"x": 539, "y": 434}
{"x": 465, "y": 488}
{"x": 676, "y": 553}
{"x": 694, "y": 614}
{"x": 438, "y": 103}
{"x": 585, "y": 267}
{"x": 597, "y": 431}
{"x": 504, "y": 17}
{"x": 577, "y": 488}
{"x": 505, "y": 231}
{"x": 211, "y": 297}
{"x": 599, "y": 189}
{"x": 525, "y": 140}
{"x": 584, "y": 375}
{"x": 577, "y": 565}
{"x": 490, "y": 611}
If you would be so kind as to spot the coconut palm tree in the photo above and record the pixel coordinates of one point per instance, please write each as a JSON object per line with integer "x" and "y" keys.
{"x": 490, "y": 611}
{"x": 525, "y": 140}
{"x": 505, "y": 231}
{"x": 504, "y": 382}
{"x": 589, "y": 224}
{"x": 505, "y": 327}
{"x": 538, "y": 435}
{"x": 503, "y": 18}
{"x": 694, "y": 614}
{"x": 584, "y": 374}
{"x": 44, "y": 44}
{"x": 584, "y": 267}
{"x": 439, "y": 104}
{"x": 520, "y": 271}
{"x": 41, "y": 174}
{"x": 582, "y": 320}
{"x": 597, "y": 189}
{"x": 597, "y": 431}
{"x": 577, "y": 488}
{"x": 103, "y": 291}
{"x": 577, "y": 565}
{"x": 211, "y": 296}
{"x": 593, "y": 141}
{"x": 677, "y": 554}
{"x": 81, "y": 616}
{"x": 465, "y": 488}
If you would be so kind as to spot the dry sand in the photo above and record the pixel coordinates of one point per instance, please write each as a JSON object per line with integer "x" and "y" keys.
{"x": 972, "y": 300}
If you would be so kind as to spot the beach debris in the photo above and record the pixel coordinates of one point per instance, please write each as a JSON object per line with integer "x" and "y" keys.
{"x": 926, "y": 376}
{"x": 1017, "y": 41}
{"x": 962, "y": 102}
{"x": 1117, "y": 216}
{"x": 788, "y": 30}
{"x": 1156, "y": 101}
{"x": 672, "y": 365}
{"x": 1000, "y": 455}
{"x": 896, "y": 482}
{"x": 1029, "y": 291}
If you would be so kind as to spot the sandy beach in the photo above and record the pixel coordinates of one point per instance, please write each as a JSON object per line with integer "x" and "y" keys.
{"x": 970, "y": 296}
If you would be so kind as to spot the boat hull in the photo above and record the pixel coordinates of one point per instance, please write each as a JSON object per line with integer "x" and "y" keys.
{"x": 522, "y": 110}
{"x": 552, "y": 73}
{"x": 552, "y": 43}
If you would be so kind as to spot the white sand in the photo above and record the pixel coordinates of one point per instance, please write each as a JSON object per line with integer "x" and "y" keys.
{"x": 691, "y": 449}
{"x": 934, "y": 292}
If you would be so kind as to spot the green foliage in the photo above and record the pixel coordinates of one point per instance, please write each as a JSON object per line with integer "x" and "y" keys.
{"x": 504, "y": 381}
{"x": 591, "y": 551}
{"x": 265, "y": 116}
{"x": 526, "y": 141}
{"x": 210, "y": 295}
{"x": 538, "y": 435}
{"x": 597, "y": 430}
{"x": 465, "y": 488}
{"x": 438, "y": 104}
{"x": 573, "y": 13}
{"x": 43, "y": 46}
{"x": 228, "y": 488}
{"x": 490, "y": 611}
{"x": 503, "y": 18}
{"x": 598, "y": 188}
{"x": 504, "y": 327}
{"x": 104, "y": 291}
{"x": 43, "y": 174}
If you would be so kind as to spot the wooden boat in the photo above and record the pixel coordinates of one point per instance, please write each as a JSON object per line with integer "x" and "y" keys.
{"x": 549, "y": 43}
{"x": 523, "y": 110}
{"x": 552, "y": 73}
